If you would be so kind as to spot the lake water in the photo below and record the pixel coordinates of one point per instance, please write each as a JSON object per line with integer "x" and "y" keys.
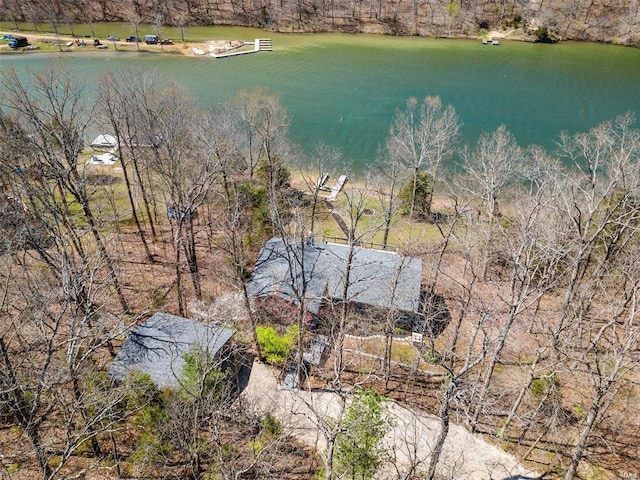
{"x": 344, "y": 89}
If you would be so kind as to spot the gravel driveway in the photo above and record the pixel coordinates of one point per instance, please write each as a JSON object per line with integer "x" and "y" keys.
{"x": 465, "y": 456}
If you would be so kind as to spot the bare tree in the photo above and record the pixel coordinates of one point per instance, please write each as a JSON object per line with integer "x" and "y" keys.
{"x": 421, "y": 137}
{"x": 527, "y": 278}
{"x": 234, "y": 226}
{"x": 181, "y": 21}
{"x": 469, "y": 350}
{"x": 491, "y": 168}
{"x": 358, "y": 200}
{"x": 607, "y": 338}
{"x": 324, "y": 161}
{"x": 22, "y": 396}
{"x": 131, "y": 109}
{"x": 52, "y": 115}
{"x": 262, "y": 122}
{"x": 597, "y": 194}
{"x": 51, "y": 335}
{"x": 390, "y": 173}
{"x": 460, "y": 352}
{"x": 599, "y": 307}
{"x": 184, "y": 170}
{"x": 118, "y": 103}
{"x": 56, "y": 320}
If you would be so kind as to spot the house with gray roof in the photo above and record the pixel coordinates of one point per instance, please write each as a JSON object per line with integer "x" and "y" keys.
{"x": 157, "y": 347}
{"x": 320, "y": 272}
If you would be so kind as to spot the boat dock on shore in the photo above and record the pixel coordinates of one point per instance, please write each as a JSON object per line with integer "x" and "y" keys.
{"x": 260, "y": 45}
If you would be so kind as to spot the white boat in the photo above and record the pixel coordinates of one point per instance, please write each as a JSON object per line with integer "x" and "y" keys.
{"x": 495, "y": 42}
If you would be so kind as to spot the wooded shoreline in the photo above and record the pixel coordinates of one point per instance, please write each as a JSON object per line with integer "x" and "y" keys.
{"x": 608, "y": 22}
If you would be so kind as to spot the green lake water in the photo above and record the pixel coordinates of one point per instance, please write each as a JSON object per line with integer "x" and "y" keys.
{"x": 344, "y": 89}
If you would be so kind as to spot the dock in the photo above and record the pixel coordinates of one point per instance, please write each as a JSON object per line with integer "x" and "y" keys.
{"x": 259, "y": 45}
{"x": 335, "y": 190}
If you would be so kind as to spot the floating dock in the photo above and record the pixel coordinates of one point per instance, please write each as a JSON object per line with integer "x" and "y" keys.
{"x": 259, "y": 45}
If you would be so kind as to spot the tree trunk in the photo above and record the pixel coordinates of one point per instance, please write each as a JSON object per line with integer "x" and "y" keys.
{"x": 33, "y": 433}
{"x": 582, "y": 440}
{"x": 95, "y": 446}
{"x": 328, "y": 474}
{"x": 145, "y": 197}
{"x": 252, "y": 321}
{"x": 300, "y": 353}
{"x": 134, "y": 211}
{"x": 21, "y": 412}
{"x": 444, "y": 429}
{"x": 490, "y": 370}
{"x": 413, "y": 193}
{"x": 192, "y": 258}
{"x": 237, "y": 255}
{"x": 514, "y": 408}
{"x": 177, "y": 249}
{"x": 314, "y": 206}
{"x": 387, "y": 227}
{"x": 103, "y": 251}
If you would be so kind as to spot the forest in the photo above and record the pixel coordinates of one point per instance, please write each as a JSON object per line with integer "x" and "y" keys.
{"x": 611, "y": 21}
{"x": 530, "y": 277}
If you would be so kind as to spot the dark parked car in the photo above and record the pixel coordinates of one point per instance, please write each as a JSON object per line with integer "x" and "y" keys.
{"x": 166, "y": 41}
{"x": 133, "y": 38}
{"x": 18, "y": 42}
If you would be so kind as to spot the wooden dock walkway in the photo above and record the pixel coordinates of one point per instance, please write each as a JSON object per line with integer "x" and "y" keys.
{"x": 259, "y": 45}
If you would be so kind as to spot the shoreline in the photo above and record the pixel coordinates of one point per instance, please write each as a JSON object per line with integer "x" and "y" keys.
{"x": 52, "y": 43}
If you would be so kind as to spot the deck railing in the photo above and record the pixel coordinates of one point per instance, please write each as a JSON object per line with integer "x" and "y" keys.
{"x": 372, "y": 245}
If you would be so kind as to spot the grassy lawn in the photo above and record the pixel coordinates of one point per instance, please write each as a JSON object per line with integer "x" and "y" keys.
{"x": 403, "y": 232}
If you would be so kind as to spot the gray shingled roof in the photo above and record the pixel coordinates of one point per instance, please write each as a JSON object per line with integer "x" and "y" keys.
{"x": 377, "y": 278}
{"x": 157, "y": 347}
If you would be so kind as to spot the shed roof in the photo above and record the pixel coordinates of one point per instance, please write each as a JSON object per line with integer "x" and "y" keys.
{"x": 376, "y": 277}
{"x": 157, "y": 347}
{"x": 105, "y": 141}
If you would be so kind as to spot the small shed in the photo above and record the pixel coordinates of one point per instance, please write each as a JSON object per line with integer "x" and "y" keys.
{"x": 105, "y": 142}
{"x": 157, "y": 347}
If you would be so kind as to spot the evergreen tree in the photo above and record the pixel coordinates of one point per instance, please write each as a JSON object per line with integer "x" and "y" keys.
{"x": 358, "y": 452}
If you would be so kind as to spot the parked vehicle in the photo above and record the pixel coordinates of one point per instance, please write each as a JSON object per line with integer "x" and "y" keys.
{"x": 166, "y": 41}
{"x": 151, "y": 39}
{"x": 113, "y": 38}
{"x": 133, "y": 38}
{"x": 18, "y": 42}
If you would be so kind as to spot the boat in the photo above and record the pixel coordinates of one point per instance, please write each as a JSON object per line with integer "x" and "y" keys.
{"x": 495, "y": 42}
